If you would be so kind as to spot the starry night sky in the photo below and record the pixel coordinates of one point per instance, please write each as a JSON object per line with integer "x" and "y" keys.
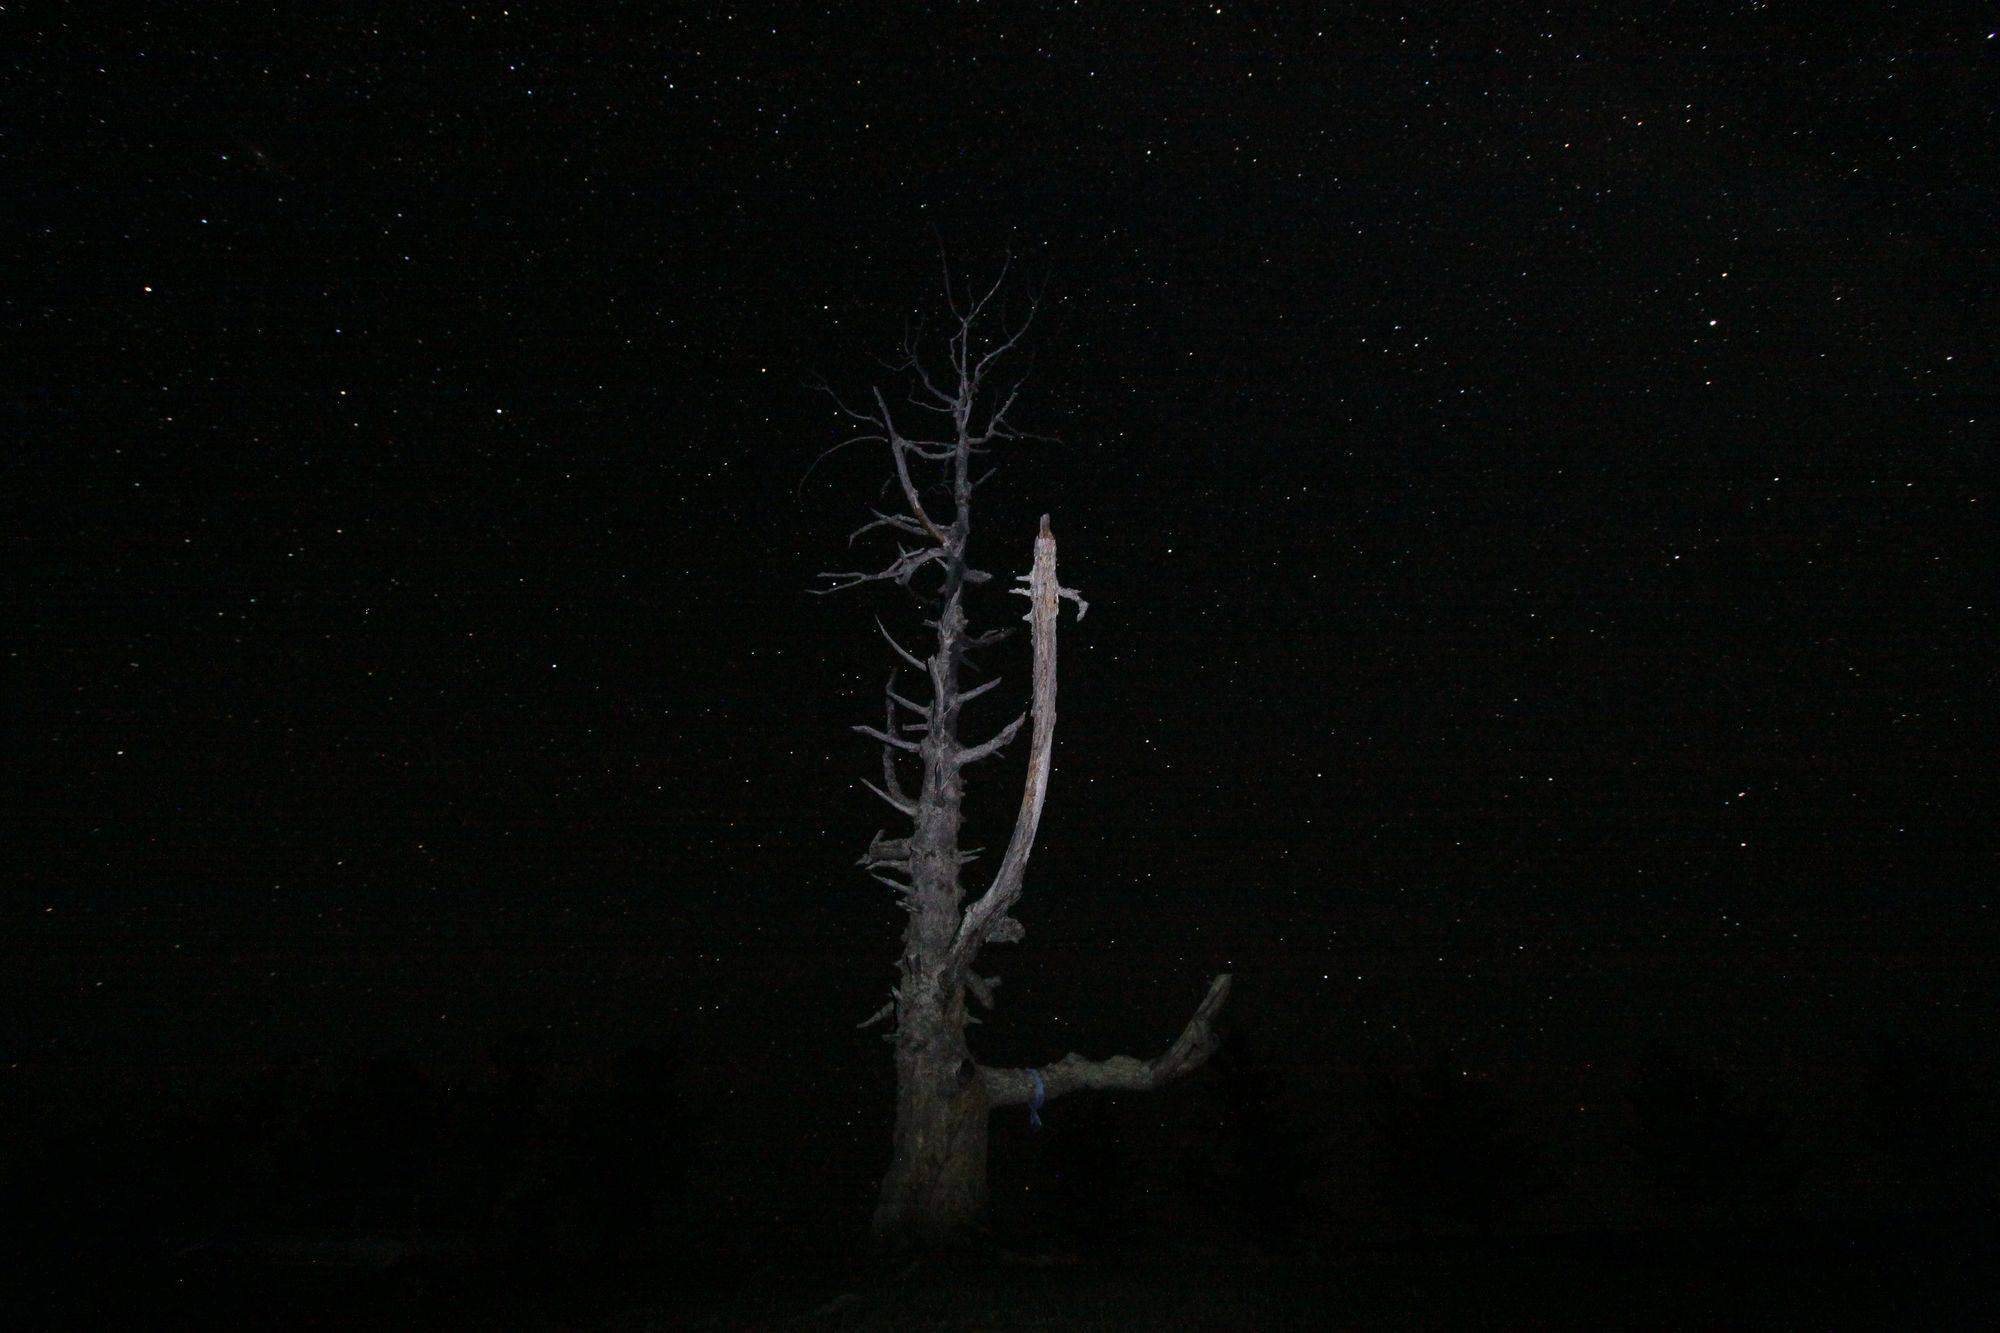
{"x": 1532, "y": 476}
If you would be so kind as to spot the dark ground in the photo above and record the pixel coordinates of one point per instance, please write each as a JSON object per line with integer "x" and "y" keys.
{"x": 1909, "y": 1273}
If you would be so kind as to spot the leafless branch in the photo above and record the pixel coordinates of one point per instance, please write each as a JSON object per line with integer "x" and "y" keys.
{"x": 994, "y": 746}
{"x": 900, "y": 522}
{"x": 886, "y": 851}
{"x": 890, "y": 781}
{"x": 828, "y": 452}
{"x": 900, "y": 571}
{"x": 904, "y": 805}
{"x": 967, "y": 696}
{"x": 914, "y": 363}
{"x": 1124, "y": 1073}
{"x": 919, "y": 709}
{"x": 901, "y": 652}
{"x": 898, "y": 885}
{"x": 1013, "y": 338}
{"x": 874, "y": 733}
{"x": 899, "y": 449}
{"x": 982, "y": 988}
{"x": 1045, "y": 593}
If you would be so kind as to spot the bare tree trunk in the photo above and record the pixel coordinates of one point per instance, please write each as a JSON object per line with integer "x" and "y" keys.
{"x": 936, "y": 1183}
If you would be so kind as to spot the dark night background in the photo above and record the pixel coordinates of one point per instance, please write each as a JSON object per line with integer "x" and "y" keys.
{"x": 1531, "y": 470}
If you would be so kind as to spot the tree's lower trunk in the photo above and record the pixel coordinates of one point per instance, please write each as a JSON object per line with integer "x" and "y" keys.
{"x": 936, "y": 1185}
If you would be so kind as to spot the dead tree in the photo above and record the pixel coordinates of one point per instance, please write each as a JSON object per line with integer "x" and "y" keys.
{"x": 936, "y": 1183}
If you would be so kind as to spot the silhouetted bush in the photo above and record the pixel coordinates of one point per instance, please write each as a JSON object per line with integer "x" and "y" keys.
{"x": 630, "y": 1149}
{"x": 1923, "y": 1114}
{"x": 382, "y": 1145}
{"x": 1702, "y": 1143}
{"x": 1447, "y": 1150}
{"x": 1259, "y": 1172}
{"x": 1087, "y": 1154}
{"x": 369, "y": 1149}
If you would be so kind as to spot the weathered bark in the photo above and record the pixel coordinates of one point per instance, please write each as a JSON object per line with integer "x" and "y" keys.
{"x": 1120, "y": 1073}
{"x": 936, "y": 1183}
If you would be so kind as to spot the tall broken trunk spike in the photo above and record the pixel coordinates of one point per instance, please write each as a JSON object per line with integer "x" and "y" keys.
{"x": 935, "y": 1187}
